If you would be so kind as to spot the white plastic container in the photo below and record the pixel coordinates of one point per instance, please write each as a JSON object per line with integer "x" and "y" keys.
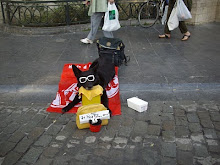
{"x": 137, "y": 104}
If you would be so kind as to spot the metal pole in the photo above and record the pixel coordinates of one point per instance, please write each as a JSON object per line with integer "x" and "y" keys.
{"x": 3, "y": 13}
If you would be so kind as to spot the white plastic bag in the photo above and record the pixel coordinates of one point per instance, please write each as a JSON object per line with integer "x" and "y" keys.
{"x": 173, "y": 21}
{"x": 182, "y": 11}
{"x": 111, "y": 22}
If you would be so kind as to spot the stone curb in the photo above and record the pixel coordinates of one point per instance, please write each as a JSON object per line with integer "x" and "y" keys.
{"x": 53, "y": 30}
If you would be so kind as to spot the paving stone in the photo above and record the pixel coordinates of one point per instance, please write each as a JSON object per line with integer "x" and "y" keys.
{"x": 184, "y": 158}
{"x": 124, "y": 131}
{"x": 140, "y": 127}
{"x": 215, "y": 116}
{"x": 103, "y": 152}
{"x": 32, "y": 155}
{"x": 153, "y": 130}
{"x": 195, "y": 127}
{"x": 1, "y": 159}
{"x": 167, "y": 109}
{"x": 36, "y": 133}
{"x": 61, "y": 138}
{"x": 152, "y": 144}
{"x": 45, "y": 123}
{"x": 197, "y": 138}
{"x": 167, "y": 116}
{"x": 182, "y": 131}
{"x": 203, "y": 115}
{"x": 116, "y": 154}
{"x": 189, "y": 107}
{"x": 56, "y": 144}
{"x": 120, "y": 142}
{"x": 149, "y": 156}
{"x": 200, "y": 150}
{"x": 4, "y": 136}
{"x": 104, "y": 145}
{"x": 168, "y": 125}
{"x": 217, "y": 125}
{"x": 50, "y": 152}
{"x": 218, "y": 134}
{"x": 184, "y": 144}
{"x": 43, "y": 141}
{"x": 182, "y": 121}
{"x": 213, "y": 146}
{"x": 211, "y": 107}
{"x": 64, "y": 119}
{"x": 37, "y": 118}
{"x": 127, "y": 121}
{"x": 90, "y": 139}
{"x": 54, "y": 129}
{"x": 44, "y": 161}
{"x": 210, "y": 133}
{"x": 11, "y": 158}
{"x": 23, "y": 145}
{"x": 155, "y": 119}
{"x": 79, "y": 134}
{"x": 6, "y": 147}
{"x": 179, "y": 112}
{"x": 54, "y": 115}
{"x": 169, "y": 149}
{"x": 192, "y": 118}
{"x": 168, "y": 161}
{"x": 136, "y": 139}
{"x": 206, "y": 123}
{"x": 207, "y": 161}
{"x": 11, "y": 128}
{"x": 26, "y": 117}
{"x": 168, "y": 136}
{"x": 17, "y": 136}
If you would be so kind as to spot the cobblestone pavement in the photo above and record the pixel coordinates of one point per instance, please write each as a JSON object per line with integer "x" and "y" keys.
{"x": 167, "y": 133}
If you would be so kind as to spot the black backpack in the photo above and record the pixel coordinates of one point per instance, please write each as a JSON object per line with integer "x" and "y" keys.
{"x": 112, "y": 49}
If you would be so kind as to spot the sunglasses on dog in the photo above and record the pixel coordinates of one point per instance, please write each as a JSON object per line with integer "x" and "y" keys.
{"x": 88, "y": 78}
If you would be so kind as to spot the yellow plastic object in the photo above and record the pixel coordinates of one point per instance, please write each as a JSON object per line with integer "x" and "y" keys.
{"x": 89, "y": 109}
{"x": 92, "y": 96}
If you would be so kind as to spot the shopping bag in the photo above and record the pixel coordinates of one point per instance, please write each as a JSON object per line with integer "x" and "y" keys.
{"x": 173, "y": 21}
{"x": 111, "y": 22}
{"x": 182, "y": 11}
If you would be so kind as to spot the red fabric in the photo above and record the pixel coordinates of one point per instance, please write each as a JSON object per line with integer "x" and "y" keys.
{"x": 68, "y": 90}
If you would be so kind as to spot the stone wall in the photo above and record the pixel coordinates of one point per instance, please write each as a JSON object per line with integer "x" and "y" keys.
{"x": 217, "y": 18}
{"x": 205, "y": 11}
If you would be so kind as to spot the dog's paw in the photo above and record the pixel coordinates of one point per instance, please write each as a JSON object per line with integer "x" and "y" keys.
{"x": 65, "y": 109}
{"x": 110, "y": 112}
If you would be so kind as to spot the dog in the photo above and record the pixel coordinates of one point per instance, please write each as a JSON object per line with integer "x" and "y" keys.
{"x": 101, "y": 72}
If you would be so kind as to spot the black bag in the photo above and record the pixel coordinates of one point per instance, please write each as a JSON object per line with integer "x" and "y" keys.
{"x": 113, "y": 49}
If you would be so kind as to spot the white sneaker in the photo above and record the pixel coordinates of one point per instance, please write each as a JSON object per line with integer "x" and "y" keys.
{"x": 86, "y": 41}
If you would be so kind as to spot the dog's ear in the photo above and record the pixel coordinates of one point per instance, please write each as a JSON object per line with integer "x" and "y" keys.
{"x": 76, "y": 71}
{"x": 94, "y": 66}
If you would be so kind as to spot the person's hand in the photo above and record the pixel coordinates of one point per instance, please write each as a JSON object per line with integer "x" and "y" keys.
{"x": 87, "y": 2}
{"x": 111, "y": 1}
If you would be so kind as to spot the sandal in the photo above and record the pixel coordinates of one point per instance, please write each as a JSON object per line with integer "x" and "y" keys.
{"x": 164, "y": 36}
{"x": 185, "y": 37}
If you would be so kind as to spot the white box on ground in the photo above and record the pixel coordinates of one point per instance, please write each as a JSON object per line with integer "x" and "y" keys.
{"x": 137, "y": 104}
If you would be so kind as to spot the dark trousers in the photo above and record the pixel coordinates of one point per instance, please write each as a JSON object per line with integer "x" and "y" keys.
{"x": 182, "y": 25}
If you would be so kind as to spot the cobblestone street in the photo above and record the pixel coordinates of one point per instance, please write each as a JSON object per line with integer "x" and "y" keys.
{"x": 180, "y": 81}
{"x": 167, "y": 133}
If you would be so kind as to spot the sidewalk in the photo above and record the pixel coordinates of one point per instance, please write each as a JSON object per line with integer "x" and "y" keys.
{"x": 180, "y": 80}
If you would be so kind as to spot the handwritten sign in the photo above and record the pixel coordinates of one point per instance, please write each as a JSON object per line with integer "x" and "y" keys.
{"x": 95, "y": 115}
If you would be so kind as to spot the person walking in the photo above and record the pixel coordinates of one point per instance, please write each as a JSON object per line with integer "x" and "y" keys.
{"x": 97, "y": 10}
{"x": 182, "y": 25}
